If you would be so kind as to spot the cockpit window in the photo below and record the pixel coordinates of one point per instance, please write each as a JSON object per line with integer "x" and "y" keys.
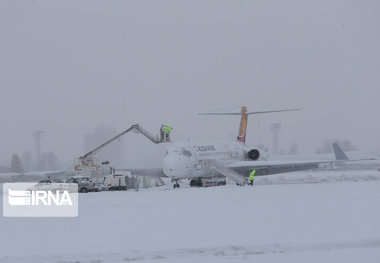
{"x": 186, "y": 152}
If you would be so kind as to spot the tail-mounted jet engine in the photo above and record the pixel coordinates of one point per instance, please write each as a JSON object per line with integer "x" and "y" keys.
{"x": 252, "y": 154}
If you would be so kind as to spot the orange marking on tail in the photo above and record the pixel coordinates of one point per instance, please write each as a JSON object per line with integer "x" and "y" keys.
{"x": 243, "y": 124}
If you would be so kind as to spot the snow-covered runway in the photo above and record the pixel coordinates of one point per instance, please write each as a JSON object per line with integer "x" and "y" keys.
{"x": 314, "y": 222}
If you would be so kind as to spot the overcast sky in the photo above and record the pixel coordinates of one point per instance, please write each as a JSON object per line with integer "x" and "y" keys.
{"x": 67, "y": 67}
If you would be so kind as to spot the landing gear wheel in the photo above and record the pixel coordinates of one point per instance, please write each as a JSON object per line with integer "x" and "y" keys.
{"x": 175, "y": 183}
{"x": 199, "y": 182}
{"x": 84, "y": 190}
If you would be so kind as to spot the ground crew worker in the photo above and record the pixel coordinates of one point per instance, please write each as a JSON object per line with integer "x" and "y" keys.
{"x": 145, "y": 182}
{"x": 133, "y": 182}
{"x": 127, "y": 182}
{"x": 167, "y": 130}
{"x": 252, "y": 177}
{"x": 137, "y": 186}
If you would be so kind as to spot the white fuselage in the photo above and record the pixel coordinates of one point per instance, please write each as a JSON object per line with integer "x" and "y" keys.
{"x": 191, "y": 160}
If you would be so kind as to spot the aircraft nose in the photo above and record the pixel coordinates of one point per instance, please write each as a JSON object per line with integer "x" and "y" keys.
{"x": 174, "y": 166}
{"x": 167, "y": 167}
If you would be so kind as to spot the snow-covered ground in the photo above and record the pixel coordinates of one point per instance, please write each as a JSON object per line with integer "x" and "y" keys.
{"x": 321, "y": 216}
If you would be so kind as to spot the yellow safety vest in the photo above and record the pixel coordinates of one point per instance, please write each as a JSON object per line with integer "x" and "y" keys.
{"x": 252, "y": 175}
{"x": 167, "y": 129}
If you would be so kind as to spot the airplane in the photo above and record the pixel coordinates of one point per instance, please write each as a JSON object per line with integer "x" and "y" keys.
{"x": 199, "y": 162}
{"x": 371, "y": 163}
{"x": 16, "y": 173}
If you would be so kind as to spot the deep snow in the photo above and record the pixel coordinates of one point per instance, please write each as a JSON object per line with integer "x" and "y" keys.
{"x": 299, "y": 220}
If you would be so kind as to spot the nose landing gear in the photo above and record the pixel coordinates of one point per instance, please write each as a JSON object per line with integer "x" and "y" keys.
{"x": 176, "y": 183}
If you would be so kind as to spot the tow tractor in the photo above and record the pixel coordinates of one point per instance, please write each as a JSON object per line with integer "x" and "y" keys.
{"x": 88, "y": 166}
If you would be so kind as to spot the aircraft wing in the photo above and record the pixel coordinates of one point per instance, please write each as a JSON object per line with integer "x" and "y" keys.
{"x": 276, "y": 167}
{"x": 239, "y": 171}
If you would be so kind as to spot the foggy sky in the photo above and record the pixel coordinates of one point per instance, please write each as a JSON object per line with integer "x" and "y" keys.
{"x": 67, "y": 67}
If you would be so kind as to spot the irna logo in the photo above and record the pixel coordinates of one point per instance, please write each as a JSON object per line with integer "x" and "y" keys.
{"x": 32, "y": 197}
{"x": 40, "y": 200}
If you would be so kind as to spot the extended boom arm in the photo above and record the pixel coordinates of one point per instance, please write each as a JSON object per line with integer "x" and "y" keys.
{"x": 135, "y": 128}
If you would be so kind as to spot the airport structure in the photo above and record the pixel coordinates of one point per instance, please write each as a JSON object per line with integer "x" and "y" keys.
{"x": 275, "y": 128}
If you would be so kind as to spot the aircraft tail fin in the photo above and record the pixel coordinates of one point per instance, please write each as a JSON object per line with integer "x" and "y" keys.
{"x": 16, "y": 165}
{"x": 339, "y": 153}
{"x": 243, "y": 112}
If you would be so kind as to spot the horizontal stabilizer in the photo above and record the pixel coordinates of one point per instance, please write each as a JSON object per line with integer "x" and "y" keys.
{"x": 249, "y": 112}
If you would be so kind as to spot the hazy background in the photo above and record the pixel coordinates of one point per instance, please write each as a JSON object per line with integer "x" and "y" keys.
{"x": 69, "y": 67}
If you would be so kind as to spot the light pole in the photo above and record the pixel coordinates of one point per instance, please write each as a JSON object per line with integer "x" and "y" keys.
{"x": 275, "y": 128}
{"x": 37, "y": 140}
